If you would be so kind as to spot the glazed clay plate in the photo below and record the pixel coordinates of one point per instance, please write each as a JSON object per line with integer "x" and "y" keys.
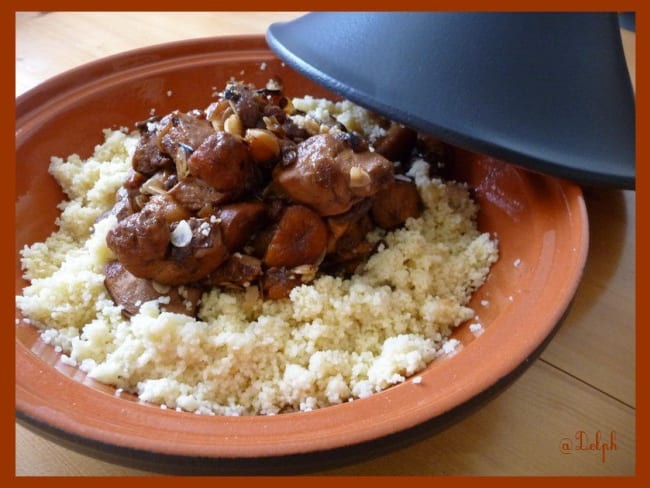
{"x": 540, "y": 223}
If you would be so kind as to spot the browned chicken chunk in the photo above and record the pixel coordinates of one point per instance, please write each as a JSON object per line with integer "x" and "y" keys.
{"x": 124, "y": 205}
{"x": 168, "y": 208}
{"x": 194, "y": 194}
{"x": 277, "y": 283}
{"x": 139, "y": 239}
{"x": 328, "y": 176}
{"x": 339, "y": 225}
{"x": 239, "y": 270}
{"x": 438, "y": 154}
{"x": 148, "y": 157}
{"x": 395, "y": 204}
{"x": 193, "y": 260}
{"x": 348, "y": 246}
{"x": 397, "y": 144}
{"x": 130, "y": 292}
{"x": 172, "y": 254}
{"x": 223, "y": 162}
{"x": 248, "y": 104}
{"x": 184, "y": 131}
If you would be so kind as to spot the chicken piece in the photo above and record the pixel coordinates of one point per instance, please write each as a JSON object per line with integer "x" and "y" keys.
{"x": 395, "y": 204}
{"x": 240, "y": 221}
{"x": 239, "y": 270}
{"x": 277, "y": 283}
{"x": 356, "y": 142}
{"x": 397, "y": 144}
{"x": 300, "y": 237}
{"x": 293, "y": 132}
{"x": 347, "y": 261}
{"x": 348, "y": 247}
{"x": 354, "y": 235}
{"x": 328, "y": 176}
{"x": 194, "y": 255}
{"x": 130, "y": 292}
{"x": 123, "y": 207}
{"x": 340, "y": 225}
{"x": 194, "y": 194}
{"x": 223, "y": 162}
{"x": 431, "y": 148}
{"x": 182, "y": 130}
{"x": 247, "y": 103}
{"x": 168, "y": 208}
{"x": 148, "y": 158}
{"x": 438, "y": 154}
{"x": 284, "y": 126}
{"x": 139, "y": 239}
{"x": 169, "y": 142}
{"x": 172, "y": 254}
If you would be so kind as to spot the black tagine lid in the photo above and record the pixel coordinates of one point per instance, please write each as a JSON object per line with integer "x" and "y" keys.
{"x": 548, "y": 91}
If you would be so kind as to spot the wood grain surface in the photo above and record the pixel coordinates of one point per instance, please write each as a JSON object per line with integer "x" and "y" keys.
{"x": 583, "y": 383}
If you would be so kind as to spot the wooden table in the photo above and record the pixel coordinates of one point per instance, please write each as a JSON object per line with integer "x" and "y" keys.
{"x": 583, "y": 382}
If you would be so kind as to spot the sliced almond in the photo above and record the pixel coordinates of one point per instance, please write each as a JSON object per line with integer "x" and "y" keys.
{"x": 359, "y": 177}
{"x": 233, "y": 125}
{"x": 181, "y": 236}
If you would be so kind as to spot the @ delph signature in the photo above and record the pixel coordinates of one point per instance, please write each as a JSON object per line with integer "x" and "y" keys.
{"x": 583, "y": 442}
